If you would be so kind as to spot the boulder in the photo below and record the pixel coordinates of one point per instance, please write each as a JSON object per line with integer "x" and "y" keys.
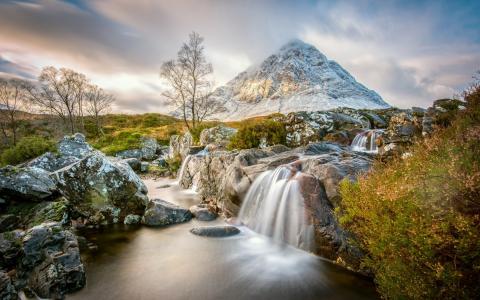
{"x": 51, "y": 264}
{"x": 74, "y": 145}
{"x": 160, "y": 212}
{"x": 132, "y": 220}
{"x": 7, "y": 289}
{"x": 180, "y": 145}
{"x": 10, "y": 249}
{"x": 102, "y": 190}
{"x": 149, "y": 148}
{"x": 215, "y": 231}
{"x": 27, "y": 184}
{"x": 219, "y": 135}
{"x": 51, "y": 162}
{"x": 402, "y": 130}
{"x": 134, "y": 163}
{"x": 130, "y": 153}
{"x": 8, "y": 222}
{"x": 202, "y": 213}
{"x": 144, "y": 166}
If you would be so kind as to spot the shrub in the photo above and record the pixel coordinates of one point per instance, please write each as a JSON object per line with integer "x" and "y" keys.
{"x": 418, "y": 218}
{"x": 174, "y": 163}
{"x": 250, "y": 134}
{"x": 27, "y": 148}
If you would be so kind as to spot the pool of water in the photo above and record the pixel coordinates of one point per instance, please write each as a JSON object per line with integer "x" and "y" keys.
{"x": 171, "y": 263}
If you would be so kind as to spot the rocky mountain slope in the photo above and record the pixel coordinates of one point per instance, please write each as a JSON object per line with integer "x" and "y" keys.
{"x": 296, "y": 78}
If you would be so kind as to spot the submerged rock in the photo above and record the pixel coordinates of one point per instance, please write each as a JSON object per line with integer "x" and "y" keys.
{"x": 202, "y": 212}
{"x": 215, "y": 231}
{"x": 160, "y": 212}
{"x": 28, "y": 184}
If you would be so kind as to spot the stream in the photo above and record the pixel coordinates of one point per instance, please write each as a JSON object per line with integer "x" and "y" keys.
{"x": 137, "y": 262}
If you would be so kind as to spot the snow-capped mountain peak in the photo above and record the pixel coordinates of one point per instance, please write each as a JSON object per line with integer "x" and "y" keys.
{"x": 297, "y": 77}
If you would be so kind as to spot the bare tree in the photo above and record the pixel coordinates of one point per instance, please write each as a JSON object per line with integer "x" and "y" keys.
{"x": 189, "y": 77}
{"x": 97, "y": 102}
{"x": 61, "y": 92}
{"x": 13, "y": 99}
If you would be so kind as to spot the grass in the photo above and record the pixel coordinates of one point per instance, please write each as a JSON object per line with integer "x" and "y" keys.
{"x": 418, "y": 219}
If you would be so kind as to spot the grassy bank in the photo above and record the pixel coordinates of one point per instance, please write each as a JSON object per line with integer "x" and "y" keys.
{"x": 418, "y": 218}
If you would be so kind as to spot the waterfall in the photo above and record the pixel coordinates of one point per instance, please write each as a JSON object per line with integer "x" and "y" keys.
{"x": 365, "y": 141}
{"x": 182, "y": 167}
{"x": 274, "y": 206}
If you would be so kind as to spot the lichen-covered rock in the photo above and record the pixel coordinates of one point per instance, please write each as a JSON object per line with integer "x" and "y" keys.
{"x": 51, "y": 264}
{"x": 307, "y": 127}
{"x": 219, "y": 135}
{"x": 7, "y": 289}
{"x": 160, "y": 213}
{"x": 202, "y": 212}
{"x": 149, "y": 148}
{"x": 215, "y": 231}
{"x": 74, "y": 145}
{"x": 402, "y": 130}
{"x": 101, "y": 190}
{"x": 180, "y": 145}
{"x": 132, "y": 220}
{"x": 130, "y": 153}
{"x": 27, "y": 184}
{"x": 134, "y": 163}
{"x": 51, "y": 162}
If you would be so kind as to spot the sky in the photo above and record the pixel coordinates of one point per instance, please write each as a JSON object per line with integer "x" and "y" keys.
{"x": 410, "y": 52}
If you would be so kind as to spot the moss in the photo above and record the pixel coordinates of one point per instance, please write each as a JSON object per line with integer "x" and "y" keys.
{"x": 174, "y": 164}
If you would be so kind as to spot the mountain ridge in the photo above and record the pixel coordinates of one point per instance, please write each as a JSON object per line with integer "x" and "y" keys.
{"x": 297, "y": 77}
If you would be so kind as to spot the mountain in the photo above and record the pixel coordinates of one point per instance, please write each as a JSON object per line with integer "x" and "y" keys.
{"x": 296, "y": 78}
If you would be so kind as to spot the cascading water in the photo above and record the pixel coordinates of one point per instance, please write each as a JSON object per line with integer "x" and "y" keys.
{"x": 365, "y": 141}
{"x": 274, "y": 206}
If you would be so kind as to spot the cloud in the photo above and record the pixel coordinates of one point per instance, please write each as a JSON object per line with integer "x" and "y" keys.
{"x": 411, "y": 52}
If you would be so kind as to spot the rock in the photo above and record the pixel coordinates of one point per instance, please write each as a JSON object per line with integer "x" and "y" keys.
{"x": 219, "y": 135}
{"x": 10, "y": 249}
{"x": 202, "y": 213}
{"x": 180, "y": 145}
{"x": 101, "y": 190}
{"x": 149, "y": 148}
{"x": 131, "y": 153}
{"x": 132, "y": 220}
{"x": 401, "y": 132}
{"x": 215, "y": 231}
{"x": 160, "y": 212}
{"x": 51, "y": 162}
{"x": 27, "y": 184}
{"x": 74, "y": 145}
{"x": 309, "y": 127}
{"x": 134, "y": 163}
{"x": 339, "y": 137}
{"x": 161, "y": 162}
{"x": 51, "y": 262}
{"x": 144, "y": 167}
{"x": 7, "y": 289}
{"x": 8, "y": 222}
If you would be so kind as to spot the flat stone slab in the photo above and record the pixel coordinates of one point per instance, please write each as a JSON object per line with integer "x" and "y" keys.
{"x": 215, "y": 231}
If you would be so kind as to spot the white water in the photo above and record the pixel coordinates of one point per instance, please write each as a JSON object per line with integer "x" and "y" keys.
{"x": 366, "y": 141}
{"x": 275, "y": 207}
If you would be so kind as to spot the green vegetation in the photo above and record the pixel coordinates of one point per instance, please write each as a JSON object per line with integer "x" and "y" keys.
{"x": 27, "y": 148}
{"x": 174, "y": 163}
{"x": 250, "y": 134}
{"x": 418, "y": 218}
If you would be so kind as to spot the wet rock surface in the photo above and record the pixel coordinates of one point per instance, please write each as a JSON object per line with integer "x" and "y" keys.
{"x": 202, "y": 213}
{"x": 215, "y": 231}
{"x": 160, "y": 213}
